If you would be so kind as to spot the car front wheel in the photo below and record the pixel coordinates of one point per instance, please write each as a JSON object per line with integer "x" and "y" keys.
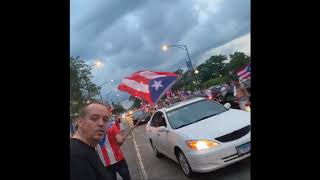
{"x": 184, "y": 164}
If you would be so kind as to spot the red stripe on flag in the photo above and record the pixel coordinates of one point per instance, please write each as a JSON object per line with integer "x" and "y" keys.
{"x": 115, "y": 147}
{"x": 105, "y": 155}
{"x": 134, "y": 92}
{"x": 242, "y": 71}
{"x": 166, "y": 73}
{"x": 245, "y": 75}
{"x": 139, "y": 79}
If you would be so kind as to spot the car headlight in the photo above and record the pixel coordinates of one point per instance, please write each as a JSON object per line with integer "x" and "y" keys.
{"x": 201, "y": 144}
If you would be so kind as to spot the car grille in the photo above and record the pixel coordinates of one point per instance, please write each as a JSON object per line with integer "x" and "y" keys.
{"x": 234, "y": 135}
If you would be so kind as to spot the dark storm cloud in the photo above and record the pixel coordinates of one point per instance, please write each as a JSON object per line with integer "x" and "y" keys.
{"x": 127, "y": 35}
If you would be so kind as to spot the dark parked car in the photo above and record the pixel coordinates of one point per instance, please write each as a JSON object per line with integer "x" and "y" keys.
{"x": 198, "y": 94}
{"x": 139, "y": 115}
{"x": 215, "y": 91}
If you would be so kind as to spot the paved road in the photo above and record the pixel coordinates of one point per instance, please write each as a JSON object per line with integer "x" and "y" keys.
{"x": 137, "y": 148}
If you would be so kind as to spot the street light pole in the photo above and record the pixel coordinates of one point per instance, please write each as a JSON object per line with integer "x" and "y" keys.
{"x": 100, "y": 96}
{"x": 189, "y": 57}
{"x": 98, "y": 64}
{"x": 101, "y": 87}
{"x": 184, "y": 47}
{"x": 89, "y": 94}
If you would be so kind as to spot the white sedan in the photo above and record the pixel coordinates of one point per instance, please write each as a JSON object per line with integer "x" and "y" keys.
{"x": 200, "y": 134}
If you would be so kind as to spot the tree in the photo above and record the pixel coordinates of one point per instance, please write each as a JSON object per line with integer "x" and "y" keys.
{"x": 118, "y": 108}
{"x": 213, "y": 71}
{"x": 184, "y": 79}
{"x": 215, "y": 81}
{"x": 137, "y": 103}
{"x": 82, "y": 88}
{"x": 237, "y": 61}
{"x": 212, "y": 68}
{"x": 179, "y": 71}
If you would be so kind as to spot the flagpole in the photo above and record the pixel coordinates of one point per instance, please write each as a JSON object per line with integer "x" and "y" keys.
{"x": 133, "y": 128}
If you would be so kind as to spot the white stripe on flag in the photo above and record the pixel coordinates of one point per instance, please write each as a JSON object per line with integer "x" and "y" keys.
{"x": 242, "y": 71}
{"x": 136, "y": 85}
{"x": 109, "y": 151}
{"x": 150, "y": 75}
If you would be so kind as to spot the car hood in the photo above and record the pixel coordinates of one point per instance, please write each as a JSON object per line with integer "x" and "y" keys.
{"x": 217, "y": 125}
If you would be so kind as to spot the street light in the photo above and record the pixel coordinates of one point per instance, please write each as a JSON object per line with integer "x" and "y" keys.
{"x": 184, "y": 47}
{"x": 164, "y": 48}
{"x": 99, "y": 63}
{"x": 196, "y": 71}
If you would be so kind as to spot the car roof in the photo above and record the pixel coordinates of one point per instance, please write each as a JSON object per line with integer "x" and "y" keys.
{"x": 182, "y": 103}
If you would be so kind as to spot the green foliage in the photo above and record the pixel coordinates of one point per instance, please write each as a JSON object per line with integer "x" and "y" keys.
{"x": 82, "y": 88}
{"x": 118, "y": 108}
{"x": 238, "y": 60}
{"x": 137, "y": 103}
{"x": 215, "y": 81}
{"x": 213, "y": 71}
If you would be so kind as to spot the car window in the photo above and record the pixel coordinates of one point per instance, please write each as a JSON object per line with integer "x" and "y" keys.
{"x": 154, "y": 120}
{"x": 162, "y": 121}
{"x": 194, "y": 112}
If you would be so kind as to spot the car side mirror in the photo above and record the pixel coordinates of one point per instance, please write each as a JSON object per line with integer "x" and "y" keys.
{"x": 163, "y": 129}
{"x": 227, "y": 105}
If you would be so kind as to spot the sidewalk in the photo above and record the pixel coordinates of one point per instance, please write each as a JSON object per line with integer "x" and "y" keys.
{"x": 130, "y": 154}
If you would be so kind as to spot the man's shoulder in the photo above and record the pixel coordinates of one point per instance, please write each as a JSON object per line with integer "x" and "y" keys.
{"x": 78, "y": 148}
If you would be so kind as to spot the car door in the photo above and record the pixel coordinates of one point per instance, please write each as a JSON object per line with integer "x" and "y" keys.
{"x": 152, "y": 130}
{"x": 162, "y": 137}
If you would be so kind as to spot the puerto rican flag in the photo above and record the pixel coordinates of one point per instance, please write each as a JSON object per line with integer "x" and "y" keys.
{"x": 148, "y": 85}
{"x": 244, "y": 73}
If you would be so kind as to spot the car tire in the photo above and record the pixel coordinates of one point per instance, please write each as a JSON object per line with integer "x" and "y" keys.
{"x": 155, "y": 150}
{"x": 184, "y": 164}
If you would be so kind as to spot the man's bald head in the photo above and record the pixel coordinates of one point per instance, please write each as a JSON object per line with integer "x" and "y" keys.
{"x": 85, "y": 109}
{"x": 92, "y": 121}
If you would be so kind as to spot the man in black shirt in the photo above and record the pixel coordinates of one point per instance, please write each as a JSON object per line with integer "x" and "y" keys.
{"x": 85, "y": 163}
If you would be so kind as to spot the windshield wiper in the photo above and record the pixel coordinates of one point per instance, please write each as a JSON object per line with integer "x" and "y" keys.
{"x": 183, "y": 125}
{"x": 205, "y": 117}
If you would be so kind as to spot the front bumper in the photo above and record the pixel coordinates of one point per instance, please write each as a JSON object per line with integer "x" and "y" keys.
{"x": 221, "y": 156}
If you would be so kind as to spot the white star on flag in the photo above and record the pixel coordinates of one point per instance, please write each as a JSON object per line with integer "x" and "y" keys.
{"x": 157, "y": 84}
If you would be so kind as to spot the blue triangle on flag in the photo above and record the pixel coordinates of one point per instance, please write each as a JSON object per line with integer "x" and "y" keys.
{"x": 158, "y": 86}
{"x": 101, "y": 142}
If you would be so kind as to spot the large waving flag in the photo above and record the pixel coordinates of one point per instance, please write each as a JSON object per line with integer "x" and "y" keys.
{"x": 148, "y": 85}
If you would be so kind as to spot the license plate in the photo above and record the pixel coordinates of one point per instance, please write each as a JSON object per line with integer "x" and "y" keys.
{"x": 244, "y": 148}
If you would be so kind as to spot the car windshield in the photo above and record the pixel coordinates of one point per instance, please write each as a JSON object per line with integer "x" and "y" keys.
{"x": 194, "y": 112}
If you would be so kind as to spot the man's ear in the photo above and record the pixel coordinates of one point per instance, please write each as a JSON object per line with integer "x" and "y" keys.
{"x": 80, "y": 121}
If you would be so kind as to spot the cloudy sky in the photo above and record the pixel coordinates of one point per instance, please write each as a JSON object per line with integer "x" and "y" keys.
{"x": 127, "y": 35}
